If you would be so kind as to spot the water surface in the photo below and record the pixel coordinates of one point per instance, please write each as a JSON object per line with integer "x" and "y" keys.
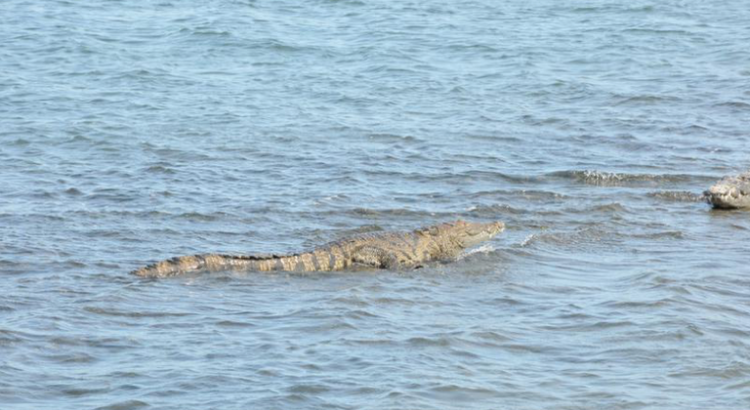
{"x": 134, "y": 132}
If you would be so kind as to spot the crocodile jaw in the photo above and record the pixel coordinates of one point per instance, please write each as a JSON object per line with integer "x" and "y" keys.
{"x": 476, "y": 233}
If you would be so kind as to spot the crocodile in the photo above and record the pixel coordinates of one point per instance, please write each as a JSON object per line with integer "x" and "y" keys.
{"x": 732, "y": 192}
{"x": 383, "y": 250}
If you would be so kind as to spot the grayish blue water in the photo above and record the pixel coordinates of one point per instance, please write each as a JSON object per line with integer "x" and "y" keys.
{"x": 134, "y": 131}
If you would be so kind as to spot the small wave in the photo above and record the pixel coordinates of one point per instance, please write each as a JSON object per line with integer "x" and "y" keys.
{"x": 309, "y": 389}
{"x": 134, "y": 314}
{"x": 429, "y": 341}
{"x": 660, "y": 235}
{"x": 393, "y": 301}
{"x": 490, "y": 337}
{"x": 735, "y": 105}
{"x": 629, "y": 305}
{"x": 232, "y": 323}
{"x": 609, "y": 8}
{"x": 203, "y": 217}
{"x": 20, "y": 142}
{"x": 602, "y": 178}
{"x": 371, "y": 342}
{"x": 607, "y": 208}
{"x": 677, "y": 196}
{"x": 78, "y": 357}
{"x": 78, "y": 139}
{"x": 9, "y": 337}
{"x": 528, "y": 240}
{"x": 159, "y": 169}
{"x": 369, "y": 212}
{"x": 484, "y": 249}
{"x": 8, "y": 263}
{"x": 205, "y": 31}
{"x": 655, "y": 32}
{"x": 454, "y": 393}
{"x": 641, "y": 100}
{"x": 81, "y": 392}
{"x": 584, "y": 238}
{"x": 529, "y": 194}
{"x": 78, "y": 264}
{"x": 360, "y": 315}
{"x": 395, "y": 138}
{"x": 491, "y": 211}
{"x": 347, "y": 2}
{"x": 351, "y": 301}
{"x": 125, "y": 405}
{"x": 494, "y": 138}
{"x": 73, "y": 192}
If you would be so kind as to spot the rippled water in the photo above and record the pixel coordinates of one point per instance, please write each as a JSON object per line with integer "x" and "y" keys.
{"x": 136, "y": 131}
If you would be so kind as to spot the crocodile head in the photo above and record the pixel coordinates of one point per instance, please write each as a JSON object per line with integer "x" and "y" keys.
{"x": 730, "y": 193}
{"x": 465, "y": 234}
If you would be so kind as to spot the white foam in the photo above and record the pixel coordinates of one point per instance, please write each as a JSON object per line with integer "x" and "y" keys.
{"x": 486, "y": 248}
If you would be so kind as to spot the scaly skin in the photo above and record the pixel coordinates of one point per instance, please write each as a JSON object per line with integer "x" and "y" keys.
{"x": 389, "y": 250}
{"x": 730, "y": 193}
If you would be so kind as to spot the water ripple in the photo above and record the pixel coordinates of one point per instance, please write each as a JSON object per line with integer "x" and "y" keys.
{"x": 134, "y": 132}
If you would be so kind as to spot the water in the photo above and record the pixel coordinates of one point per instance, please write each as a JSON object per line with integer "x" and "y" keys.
{"x": 136, "y": 131}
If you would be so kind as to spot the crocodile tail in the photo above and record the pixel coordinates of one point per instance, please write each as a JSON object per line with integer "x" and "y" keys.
{"x": 207, "y": 263}
{"x": 318, "y": 260}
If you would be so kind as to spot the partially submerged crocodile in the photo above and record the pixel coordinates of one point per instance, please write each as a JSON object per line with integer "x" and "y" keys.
{"x": 731, "y": 192}
{"x": 389, "y": 250}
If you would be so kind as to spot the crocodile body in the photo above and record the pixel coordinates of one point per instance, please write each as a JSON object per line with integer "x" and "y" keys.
{"x": 731, "y": 192}
{"x": 389, "y": 250}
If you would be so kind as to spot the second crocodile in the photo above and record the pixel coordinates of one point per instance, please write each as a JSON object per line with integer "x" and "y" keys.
{"x": 732, "y": 192}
